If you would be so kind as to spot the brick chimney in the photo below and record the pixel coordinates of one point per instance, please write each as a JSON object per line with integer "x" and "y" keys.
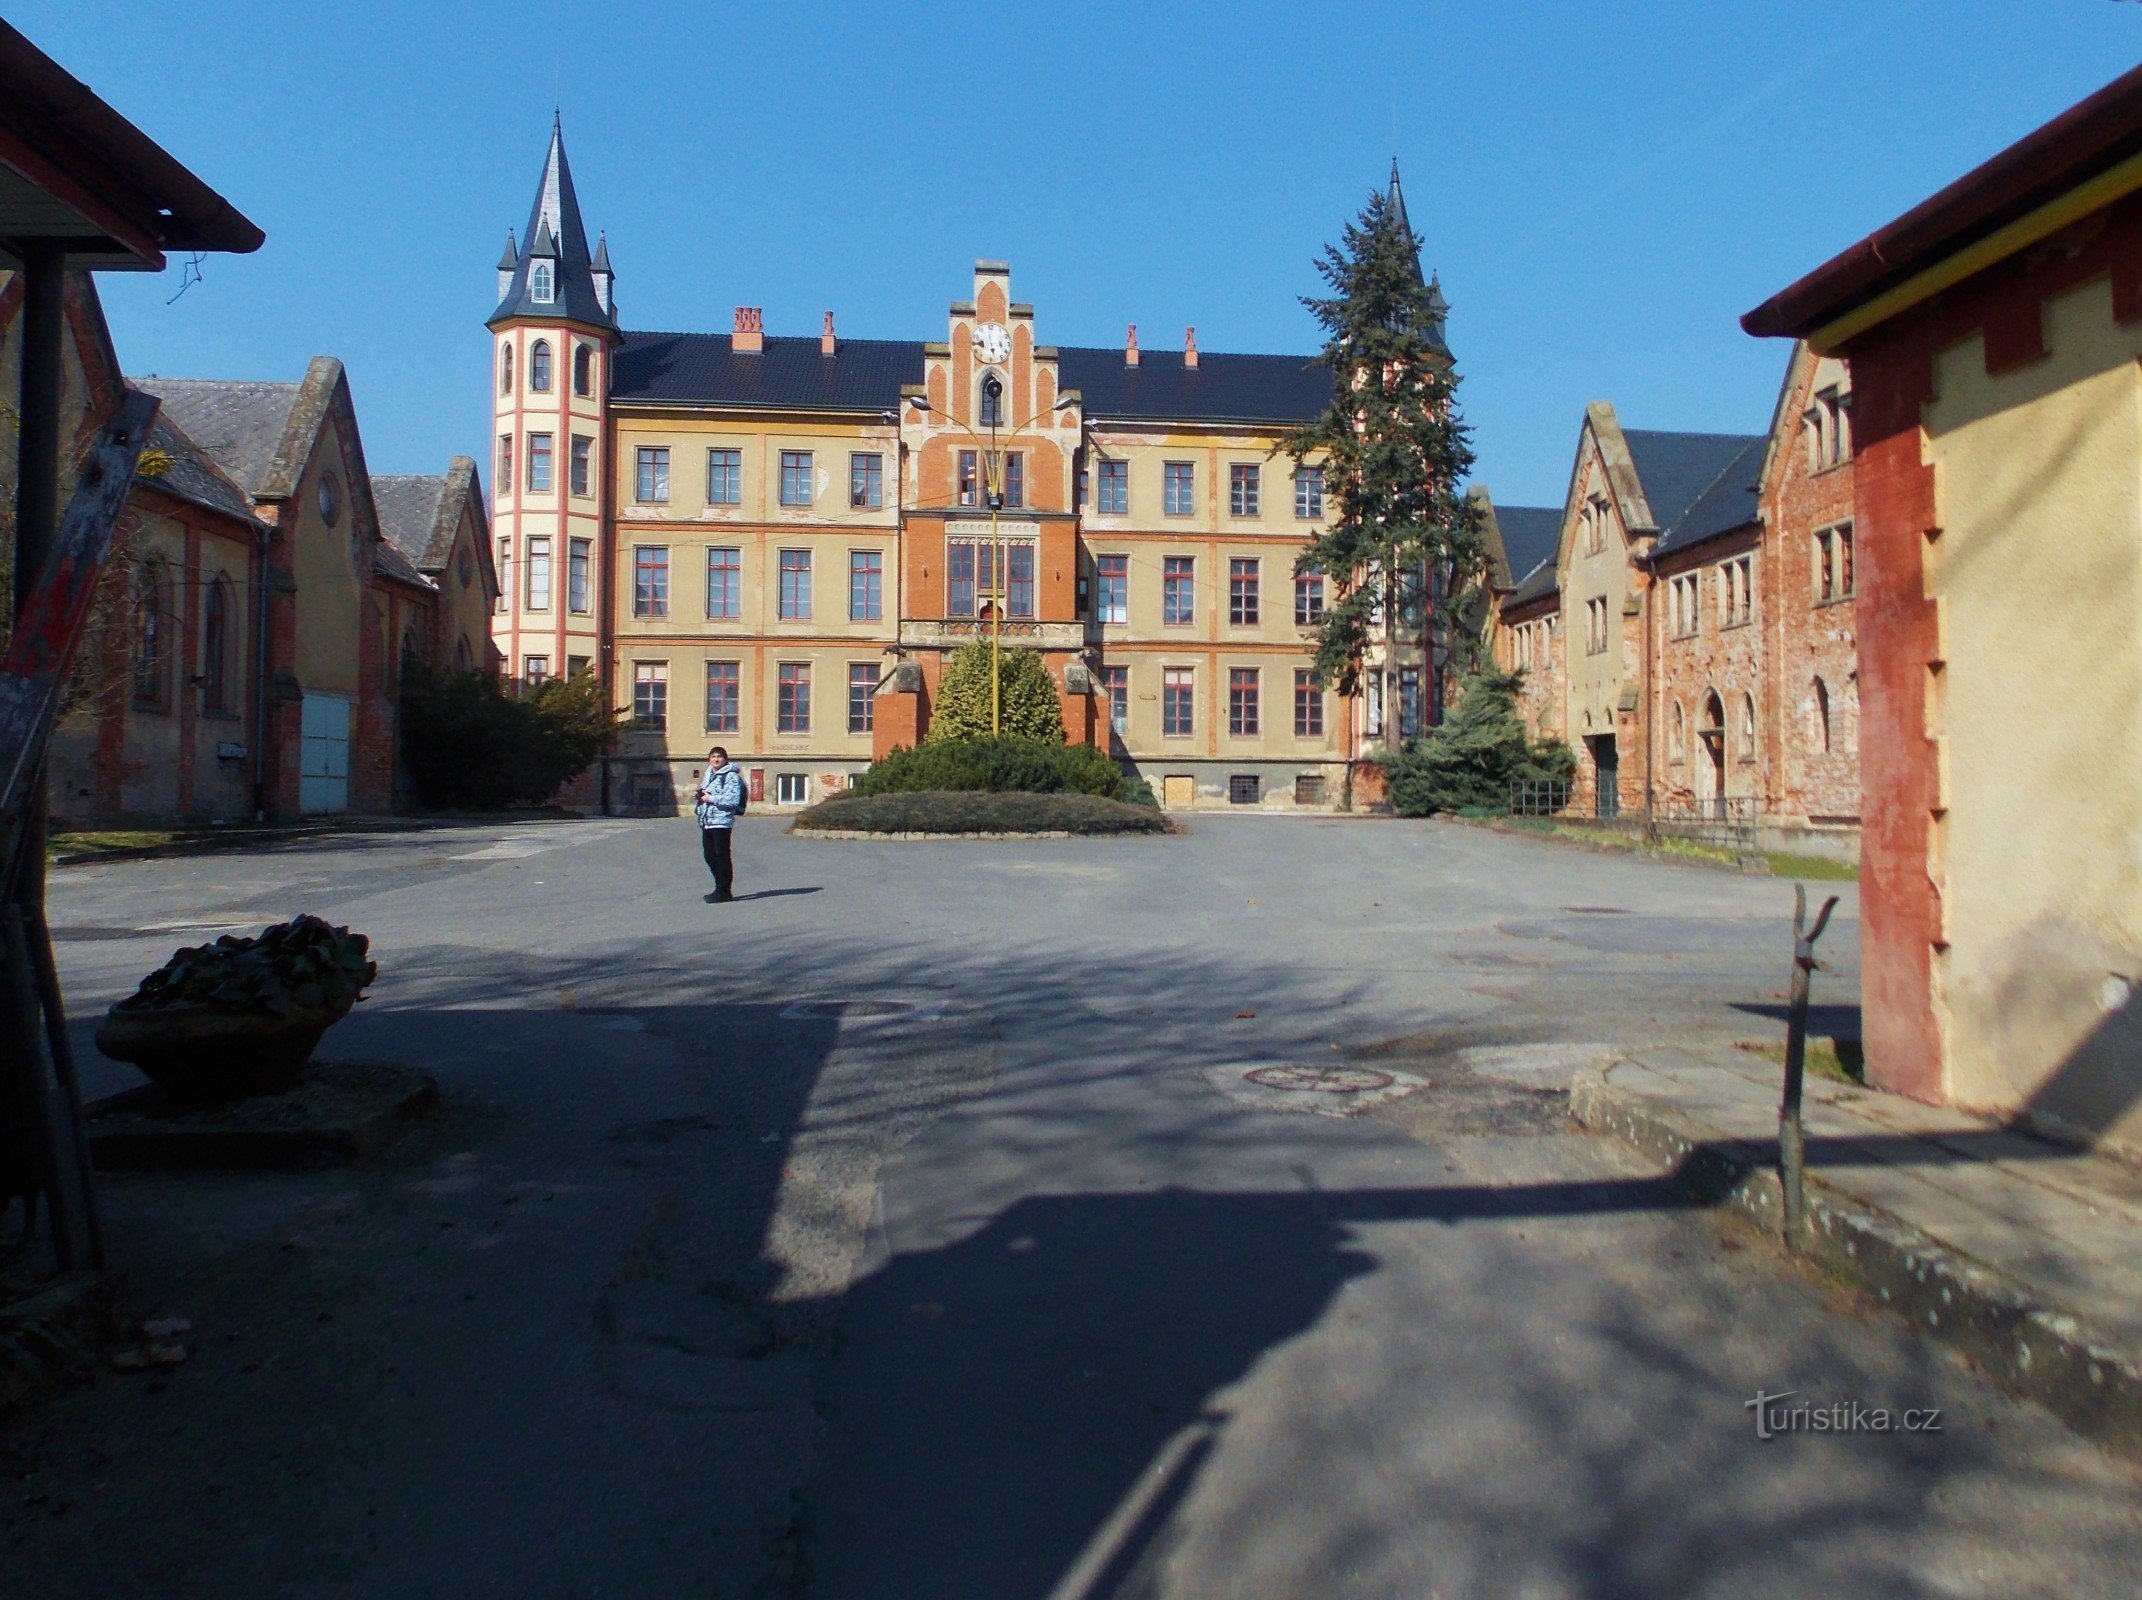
{"x": 1130, "y": 346}
{"x": 750, "y": 335}
{"x": 1190, "y": 349}
{"x": 826, "y": 345}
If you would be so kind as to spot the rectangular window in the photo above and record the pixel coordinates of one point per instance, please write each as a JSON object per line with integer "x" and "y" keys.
{"x": 505, "y": 463}
{"x": 792, "y": 788}
{"x": 1308, "y": 705}
{"x": 795, "y": 477}
{"x": 575, "y": 666}
{"x": 1409, "y": 702}
{"x": 795, "y": 603}
{"x": 1179, "y": 488}
{"x": 793, "y": 710}
{"x": 1243, "y": 489}
{"x": 1242, "y": 593}
{"x": 969, "y": 490}
{"x": 1015, "y": 479}
{"x": 1084, "y": 481}
{"x": 505, "y": 571}
{"x": 1308, "y": 600}
{"x": 1178, "y": 702}
{"x": 725, "y": 583}
{"x": 539, "y": 463}
{"x": 1115, "y": 489}
{"x": 725, "y": 696}
{"x": 650, "y": 580}
{"x": 583, "y": 455}
{"x": 1116, "y": 680}
{"x": 866, "y": 584}
{"x": 651, "y": 474}
{"x": 534, "y": 669}
{"x": 959, "y": 580}
{"x": 1019, "y": 591}
{"x": 1178, "y": 589}
{"x": 1242, "y": 717}
{"x": 1833, "y": 564}
{"x": 1242, "y": 788}
{"x": 650, "y": 694}
{"x": 971, "y": 579}
{"x": 1736, "y": 592}
{"x": 862, "y": 692}
{"x": 1309, "y": 789}
{"x": 1112, "y": 575}
{"x": 539, "y": 574}
{"x": 866, "y": 482}
{"x": 1595, "y": 626}
{"x": 1309, "y": 493}
{"x": 576, "y": 575}
{"x": 725, "y": 477}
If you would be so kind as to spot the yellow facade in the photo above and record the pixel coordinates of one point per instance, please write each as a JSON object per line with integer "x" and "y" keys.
{"x": 2036, "y": 713}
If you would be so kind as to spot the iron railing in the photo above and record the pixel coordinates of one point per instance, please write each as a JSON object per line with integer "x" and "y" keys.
{"x": 1720, "y": 822}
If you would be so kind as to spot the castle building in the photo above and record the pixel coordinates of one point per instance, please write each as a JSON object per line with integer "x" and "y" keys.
{"x": 773, "y": 542}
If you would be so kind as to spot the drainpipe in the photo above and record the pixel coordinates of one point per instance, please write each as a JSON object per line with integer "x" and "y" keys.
{"x": 260, "y": 675}
{"x": 37, "y": 494}
{"x": 1651, "y": 581}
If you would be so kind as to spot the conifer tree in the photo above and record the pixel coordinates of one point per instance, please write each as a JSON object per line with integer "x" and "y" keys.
{"x": 1470, "y": 762}
{"x": 1031, "y": 709}
{"x": 1394, "y": 451}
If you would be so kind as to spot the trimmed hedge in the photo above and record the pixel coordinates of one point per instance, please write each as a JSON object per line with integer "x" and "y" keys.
{"x": 997, "y": 766}
{"x": 979, "y": 811}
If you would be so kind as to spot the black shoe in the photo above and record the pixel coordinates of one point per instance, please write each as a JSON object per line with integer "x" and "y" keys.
{"x": 719, "y": 899}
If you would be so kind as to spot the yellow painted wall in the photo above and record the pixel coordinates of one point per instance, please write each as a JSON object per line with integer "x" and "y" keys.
{"x": 1594, "y": 676}
{"x": 328, "y": 593}
{"x": 2037, "y": 579}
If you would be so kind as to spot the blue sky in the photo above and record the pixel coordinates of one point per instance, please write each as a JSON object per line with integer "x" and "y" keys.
{"x": 1603, "y": 188}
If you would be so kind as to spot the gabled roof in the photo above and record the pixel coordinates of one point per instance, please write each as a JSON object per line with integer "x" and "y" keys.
{"x": 1698, "y": 485}
{"x": 554, "y": 225}
{"x": 388, "y": 562}
{"x": 191, "y": 474}
{"x": 240, "y": 424}
{"x": 1537, "y": 584}
{"x": 1530, "y": 535}
{"x": 791, "y": 374}
{"x": 419, "y": 514}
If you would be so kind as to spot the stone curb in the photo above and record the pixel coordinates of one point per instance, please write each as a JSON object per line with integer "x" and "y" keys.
{"x": 1049, "y": 833}
{"x": 2027, "y": 1347}
{"x": 1748, "y": 866}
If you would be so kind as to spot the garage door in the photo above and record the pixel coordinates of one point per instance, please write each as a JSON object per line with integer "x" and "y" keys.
{"x": 324, "y": 763}
{"x": 1178, "y": 794}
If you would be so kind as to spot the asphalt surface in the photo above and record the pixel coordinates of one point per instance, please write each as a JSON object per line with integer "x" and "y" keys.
{"x": 1019, "y": 1275}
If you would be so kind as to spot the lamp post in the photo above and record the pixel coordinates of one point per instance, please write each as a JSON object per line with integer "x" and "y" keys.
{"x": 993, "y": 496}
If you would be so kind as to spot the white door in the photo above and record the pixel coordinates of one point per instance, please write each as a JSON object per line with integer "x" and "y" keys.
{"x": 324, "y": 766}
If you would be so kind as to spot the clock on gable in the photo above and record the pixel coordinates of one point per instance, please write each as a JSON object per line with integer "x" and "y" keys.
{"x": 992, "y": 342}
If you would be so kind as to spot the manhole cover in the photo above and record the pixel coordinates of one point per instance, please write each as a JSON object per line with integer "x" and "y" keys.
{"x": 845, "y": 1010}
{"x": 1324, "y": 1089}
{"x": 1321, "y": 1080}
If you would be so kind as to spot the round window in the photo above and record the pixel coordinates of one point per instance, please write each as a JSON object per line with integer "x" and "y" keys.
{"x": 330, "y": 498}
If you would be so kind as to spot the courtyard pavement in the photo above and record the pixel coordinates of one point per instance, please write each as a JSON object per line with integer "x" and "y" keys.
{"x": 916, "y": 1226}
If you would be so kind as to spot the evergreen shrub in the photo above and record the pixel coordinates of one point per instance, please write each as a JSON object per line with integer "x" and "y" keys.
{"x": 1030, "y": 708}
{"x": 1469, "y": 763}
{"x": 468, "y": 745}
{"x": 1008, "y": 765}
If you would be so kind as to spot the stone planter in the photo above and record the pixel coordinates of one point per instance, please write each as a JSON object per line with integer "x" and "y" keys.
{"x": 202, "y": 1053}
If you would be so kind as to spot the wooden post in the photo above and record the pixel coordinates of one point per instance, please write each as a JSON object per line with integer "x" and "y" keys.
{"x": 1792, "y": 1138}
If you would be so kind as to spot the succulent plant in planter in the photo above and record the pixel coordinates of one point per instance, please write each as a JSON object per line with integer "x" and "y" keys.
{"x": 240, "y": 1016}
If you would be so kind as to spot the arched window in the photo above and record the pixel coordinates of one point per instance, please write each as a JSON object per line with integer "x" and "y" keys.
{"x": 539, "y": 283}
{"x": 991, "y": 413}
{"x": 539, "y": 366}
{"x": 216, "y": 646}
{"x": 1822, "y": 715}
{"x": 505, "y": 369}
{"x": 152, "y": 638}
{"x": 1677, "y": 734}
{"x": 583, "y": 368}
{"x": 1747, "y": 727}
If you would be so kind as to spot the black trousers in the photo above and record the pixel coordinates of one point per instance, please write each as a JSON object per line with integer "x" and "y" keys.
{"x": 714, "y": 844}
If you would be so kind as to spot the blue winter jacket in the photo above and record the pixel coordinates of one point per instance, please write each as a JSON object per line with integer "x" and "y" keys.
{"x": 721, "y": 796}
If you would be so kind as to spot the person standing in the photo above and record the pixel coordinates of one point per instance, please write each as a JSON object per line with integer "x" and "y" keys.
{"x": 719, "y": 802}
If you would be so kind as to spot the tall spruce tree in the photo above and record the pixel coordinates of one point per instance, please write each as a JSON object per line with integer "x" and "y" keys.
{"x": 1394, "y": 451}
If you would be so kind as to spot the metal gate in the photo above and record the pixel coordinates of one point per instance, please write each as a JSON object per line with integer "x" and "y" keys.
{"x": 324, "y": 763}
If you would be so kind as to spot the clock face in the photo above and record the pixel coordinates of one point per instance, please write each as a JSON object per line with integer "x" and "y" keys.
{"x": 992, "y": 342}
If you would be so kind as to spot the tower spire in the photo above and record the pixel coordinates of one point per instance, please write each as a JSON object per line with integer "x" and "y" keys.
{"x": 556, "y": 234}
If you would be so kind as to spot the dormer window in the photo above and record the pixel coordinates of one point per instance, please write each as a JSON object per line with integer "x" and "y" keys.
{"x": 539, "y": 283}
{"x": 539, "y": 366}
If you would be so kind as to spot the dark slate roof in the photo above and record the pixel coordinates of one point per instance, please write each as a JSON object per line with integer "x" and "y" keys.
{"x": 789, "y": 374}
{"x": 1698, "y": 485}
{"x": 868, "y": 374}
{"x": 554, "y": 221}
{"x": 192, "y": 474}
{"x": 1530, "y": 535}
{"x": 1534, "y": 585}
{"x": 390, "y": 562}
{"x": 1221, "y": 388}
{"x": 408, "y": 508}
{"x": 239, "y": 424}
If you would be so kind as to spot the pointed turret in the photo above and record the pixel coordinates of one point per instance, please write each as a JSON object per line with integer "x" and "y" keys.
{"x": 1438, "y": 307}
{"x": 508, "y": 264}
{"x": 599, "y": 269}
{"x": 555, "y": 247}
{"x": 1397, "y": 206}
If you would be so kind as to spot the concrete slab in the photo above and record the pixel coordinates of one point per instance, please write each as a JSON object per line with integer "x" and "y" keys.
{"x": 341, "y": 1111}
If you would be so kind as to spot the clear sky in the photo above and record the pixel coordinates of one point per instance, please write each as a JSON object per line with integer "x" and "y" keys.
{"x": 1603, "y": 188}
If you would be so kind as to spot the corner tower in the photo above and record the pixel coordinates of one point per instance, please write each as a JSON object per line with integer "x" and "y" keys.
{"x": 553, "y": 335}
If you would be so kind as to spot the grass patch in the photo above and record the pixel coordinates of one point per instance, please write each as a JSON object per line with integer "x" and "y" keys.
{"x": 979, "y": 811}
{"x": 1785, "y": 864}
{"x": 1839, "y": 1060}
{"x": 109, "y": 841}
